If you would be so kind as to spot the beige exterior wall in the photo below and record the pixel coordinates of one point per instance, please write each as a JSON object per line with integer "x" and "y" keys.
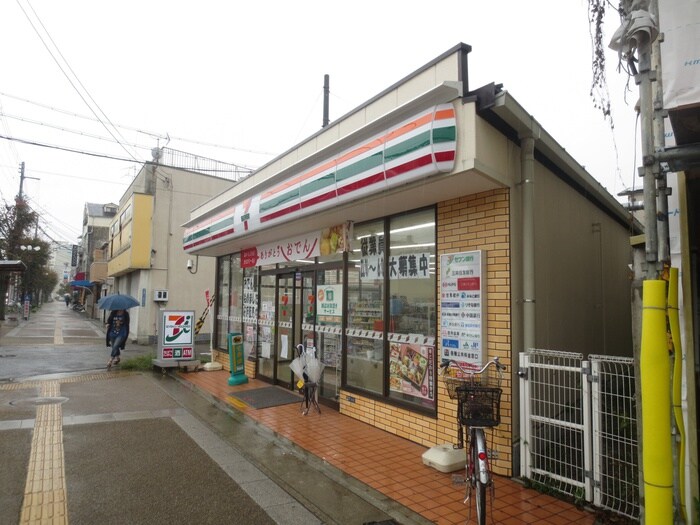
{"x": 98, "y": 271}
{"x": 494, "y": 154}
{"x": 582, "y": 280}
{"x": 156, "y": 260}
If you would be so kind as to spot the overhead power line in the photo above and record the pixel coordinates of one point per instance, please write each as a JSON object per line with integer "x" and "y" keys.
{"x": 66, "y": 175}
{"x": 122, "y": 159}
{"x": 70, "y": 80}
{"x": 71, "y": 150}
{"x": 67, "y": 130}
{"x": 153, "y": 134}
{"x": 78, "y": 115}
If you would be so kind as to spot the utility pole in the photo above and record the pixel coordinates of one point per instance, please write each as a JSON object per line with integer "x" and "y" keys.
{"x": 21, "y": 179}
{"x": 326, "y": 94}
{"x": 22, "y": 176}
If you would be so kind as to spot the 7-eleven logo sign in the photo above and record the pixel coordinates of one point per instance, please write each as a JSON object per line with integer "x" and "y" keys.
{"x": 178, "y": 327}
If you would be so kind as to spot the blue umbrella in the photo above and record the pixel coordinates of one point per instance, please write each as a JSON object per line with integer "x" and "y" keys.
{"x": 117, "y": 301}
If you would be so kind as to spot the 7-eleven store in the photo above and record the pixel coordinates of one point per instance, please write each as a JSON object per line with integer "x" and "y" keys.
{"x": 430, "y": 222}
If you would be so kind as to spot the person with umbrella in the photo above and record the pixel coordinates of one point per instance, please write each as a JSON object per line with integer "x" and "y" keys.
{"x": 117, "y": 333}
{"x": 117, "y": 323}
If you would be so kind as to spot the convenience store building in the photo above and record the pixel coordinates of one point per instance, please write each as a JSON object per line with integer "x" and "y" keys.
{"x": 430, "y": 222}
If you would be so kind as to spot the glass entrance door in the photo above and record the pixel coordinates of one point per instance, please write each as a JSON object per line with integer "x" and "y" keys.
{"x": 301, "y": 308}
{"x": 295, "y": 320}
{"x": 328, "y": 330}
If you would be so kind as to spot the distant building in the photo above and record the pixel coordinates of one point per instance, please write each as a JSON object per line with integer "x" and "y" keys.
{"x": 144, "y": 245}
{"x": 96, "y": 221}
{"x": 61, "y": 262}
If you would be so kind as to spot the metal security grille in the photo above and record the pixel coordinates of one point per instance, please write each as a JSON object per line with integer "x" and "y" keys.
{"x": 579, "y": 426}
{"x": 188, "y": 161}
{"x": 615, "y": 450}
{"x": 556, "y": 454}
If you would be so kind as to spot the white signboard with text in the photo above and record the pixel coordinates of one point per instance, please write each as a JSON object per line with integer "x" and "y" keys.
{"x": 463, "y": 307}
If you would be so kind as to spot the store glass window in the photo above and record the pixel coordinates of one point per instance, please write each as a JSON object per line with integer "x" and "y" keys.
{"x": 411, "y": 265}
{"x": 250, "y": 311}
{"x": 366, "y": 298}
{"x": 222, "y": 301}
{"x": 235, "y": 298}
{"x": 266, "y": 333}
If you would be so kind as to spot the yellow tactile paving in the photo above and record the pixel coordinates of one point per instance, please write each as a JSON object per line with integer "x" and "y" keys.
{"x": 45, "y": 500}
{"x": 45, "y": 490}
{"x": 74, "y": 379}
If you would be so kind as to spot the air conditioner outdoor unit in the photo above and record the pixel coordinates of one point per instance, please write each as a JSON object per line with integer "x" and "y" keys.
{"x": 160, "y": 295}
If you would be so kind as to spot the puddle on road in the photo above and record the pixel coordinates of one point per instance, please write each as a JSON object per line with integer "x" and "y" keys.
{"x": 36, "y": 401}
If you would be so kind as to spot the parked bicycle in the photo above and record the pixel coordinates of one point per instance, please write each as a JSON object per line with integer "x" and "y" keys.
{"x": 78, "y": 307}
{"x": 478, "y": 394}
{"x": 12, "y": 307}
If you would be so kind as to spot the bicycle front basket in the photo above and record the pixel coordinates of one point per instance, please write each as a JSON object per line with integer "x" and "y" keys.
{"x": 479, "y": 406}
{"x": 452, "y": 384}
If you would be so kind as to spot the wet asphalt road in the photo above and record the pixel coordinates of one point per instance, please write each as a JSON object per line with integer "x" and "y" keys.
{"x": 54, "y": 340}
{"x": 145, "y": 448}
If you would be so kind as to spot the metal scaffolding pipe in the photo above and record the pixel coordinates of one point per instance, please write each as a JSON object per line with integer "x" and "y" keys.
{"x": 644, "y": 79}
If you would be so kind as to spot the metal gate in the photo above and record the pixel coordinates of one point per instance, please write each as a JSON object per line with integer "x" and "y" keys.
{"x": 579, "y": 427}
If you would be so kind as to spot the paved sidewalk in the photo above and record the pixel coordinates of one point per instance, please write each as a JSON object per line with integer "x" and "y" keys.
{"x": 115, "y": 448}
{"x": 138, "y": 447}
{"x": 153, "y": 448}
{"x": 384, "y": 467}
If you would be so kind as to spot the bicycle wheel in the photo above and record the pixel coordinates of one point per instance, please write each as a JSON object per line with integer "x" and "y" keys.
{"x": 479, "y": 486}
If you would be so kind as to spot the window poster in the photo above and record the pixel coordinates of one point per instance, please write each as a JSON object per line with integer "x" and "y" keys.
{"x": 372, "y": 257}
{"x": 411, "y": 370}
{"x": 463, "y": 307}
{"x": 250, "y": 301}
{"x": 329, "y": 303}
{"x": 284, "y": 351}
{"x": 405, "y": 266}
{"x": 249, "y": 340}
{"x": 334, "y": 239}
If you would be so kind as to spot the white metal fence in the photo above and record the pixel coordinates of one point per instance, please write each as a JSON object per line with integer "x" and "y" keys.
{"x": 579, "y": 427}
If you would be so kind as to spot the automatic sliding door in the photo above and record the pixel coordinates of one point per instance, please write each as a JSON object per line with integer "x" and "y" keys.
{"x": 329, "y": 322}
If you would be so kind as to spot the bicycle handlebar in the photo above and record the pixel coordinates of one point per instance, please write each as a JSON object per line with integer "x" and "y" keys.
{"x": 445, "y": 363}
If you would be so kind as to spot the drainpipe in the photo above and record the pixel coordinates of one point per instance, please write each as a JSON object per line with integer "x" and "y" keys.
{"x": 527, "y": 220}
{"x": 527, "y": 160}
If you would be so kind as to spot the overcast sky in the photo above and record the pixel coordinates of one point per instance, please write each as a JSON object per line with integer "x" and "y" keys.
{"x": 242, "y": 82}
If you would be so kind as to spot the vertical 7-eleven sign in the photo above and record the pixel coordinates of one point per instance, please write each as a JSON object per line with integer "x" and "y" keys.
{"x": 176, "y": 339}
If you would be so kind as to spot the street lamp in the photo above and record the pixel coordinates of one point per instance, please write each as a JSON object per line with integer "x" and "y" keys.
{"x": 29, "y": 247}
